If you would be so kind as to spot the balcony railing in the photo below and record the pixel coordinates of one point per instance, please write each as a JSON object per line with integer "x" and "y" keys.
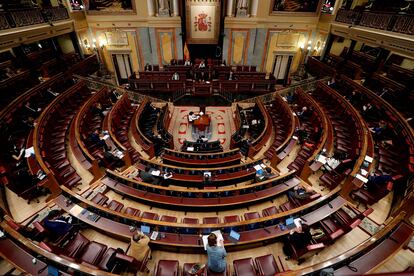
{"x": 27, "y": 17}
{"x": 400, "y": 23}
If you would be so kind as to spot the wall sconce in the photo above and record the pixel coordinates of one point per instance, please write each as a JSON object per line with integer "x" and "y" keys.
{"x": 301, "y": 46}
{"x": 102, "y": 43}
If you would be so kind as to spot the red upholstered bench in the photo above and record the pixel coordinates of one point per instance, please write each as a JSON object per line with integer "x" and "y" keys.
{"x": 149, "y": 215}
{"x": 269, "y": 211}
{"x": 231, "y": 219}
{"x": 251, "y": 215}
{"x": 93, "y": 253}
{"x": 266, "y": 265}
{"x": 132, "y": 211}
{"x": 115, "y": 206}
{"x": 244, "y": 267}
{"x": 167, "y": 268}
{"x": 168, "y": 219}
{"x": 190, "y": 220}
{"x": 224, "y": 273}
{"x": 211, "y": 220}
{"x": 100, "y": 199}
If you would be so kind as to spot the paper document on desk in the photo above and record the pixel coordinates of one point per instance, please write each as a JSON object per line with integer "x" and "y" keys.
{"x": 321, "y": 159}
{"x": 190, "y": 148}
{"x": 155, "y": 172}
{"x": 368, "y": 159}
{"x": 218, "y": 235}
{"x": 29, "y": 152}
{"x": 363, "y": 179}
{"x": 257, "y": 167}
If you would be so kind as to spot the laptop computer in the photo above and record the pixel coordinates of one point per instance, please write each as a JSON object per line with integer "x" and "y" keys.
{"x": 145, "y": 229}
{"x": 290, "y": 224}
{"x": 234, "y": 236}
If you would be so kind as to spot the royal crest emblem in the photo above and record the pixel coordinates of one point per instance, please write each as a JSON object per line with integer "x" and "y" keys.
{"x": 202, "y": 23}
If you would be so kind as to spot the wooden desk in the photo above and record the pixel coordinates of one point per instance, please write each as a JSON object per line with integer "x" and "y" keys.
{"x": 174, "y": 240}
{"x": 202, "y": 122}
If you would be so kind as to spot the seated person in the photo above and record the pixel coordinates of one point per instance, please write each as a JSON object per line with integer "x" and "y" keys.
{"x": 202, "y": 64}
{"x": 192, "y": 116}
{"x": 148, "y": 67}
{"x": 300, "y": 192}
{"x": 175, "y": 76}
{"x": 111, "y": 158}
{"x": 56, "y": 224}
{"x": 139, "y": 248}
{"x": 207, "y": 180}
{"x": 331, "y": 163}
{"x": 147, "y": 177}
{"x": 377, "y": 181}
{"x": 262, "y": 175}
{"x": 231, "y": 76}
{"x": 97, "y": 139}
{"x": 202, "y": 139}
{"x": 298, "y": 237}
{"x": 114, "y": 96}
{"x": 97, "y": 109}
{"x": 304, "y": 113}
{"x": 187, "y": 62}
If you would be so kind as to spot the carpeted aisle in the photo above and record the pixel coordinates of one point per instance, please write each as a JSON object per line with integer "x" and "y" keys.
{"x": 222, "y": 125}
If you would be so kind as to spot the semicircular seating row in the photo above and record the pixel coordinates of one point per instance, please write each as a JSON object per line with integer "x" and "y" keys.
{"x": 50, "y": 147}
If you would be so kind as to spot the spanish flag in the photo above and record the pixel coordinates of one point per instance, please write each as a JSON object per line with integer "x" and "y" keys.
{"x": 186, "y": 52}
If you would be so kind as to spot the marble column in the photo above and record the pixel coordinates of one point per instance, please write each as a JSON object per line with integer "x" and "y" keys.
{"x": 151, "y": 10}
{"x": 176, "y": 8}
{"x": 255, "y": 5}
{"x": 230, "y": 5}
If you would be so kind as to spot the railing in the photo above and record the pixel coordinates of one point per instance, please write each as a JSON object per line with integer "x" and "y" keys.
{"x": 132, "y": 95}
{"x": 225, "y": 94}
{"x": 400, "y": 23}
{"x": 27, "y": 17}
{"x": 306, "y": 85}
{"x": 179, "y": 94}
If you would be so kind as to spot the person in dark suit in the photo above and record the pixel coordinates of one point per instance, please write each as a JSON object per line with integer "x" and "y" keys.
{"x": 56, "y": 224}
{"x": 147, "y": 177}
{"x": 297, "y": 238}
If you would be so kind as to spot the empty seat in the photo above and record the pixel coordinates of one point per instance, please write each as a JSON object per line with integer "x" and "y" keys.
{"x": 244, "y": 267}
{"x": 115, "y": 206}
{"x": 132, "y": 211}
{"x": 190, "y": 220}
{"x": 93, "y": 253}
{"x": 270, "y": 211}
{"x": 166, "y": 268}
{"x": 231, "y": 219}
{"x": 100, "y": 199}
{"x": 251, "y": 215}
{"x": 149, "y": 215}
{"x": 75, "y": 246}
{"x": 168, "y": 219}
{"x": 211, "y": 220}
{"x": 266, "y": 265}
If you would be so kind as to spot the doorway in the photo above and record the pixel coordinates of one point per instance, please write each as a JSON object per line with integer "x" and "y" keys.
{"x": 123, "y": 68}
{"x": 281, "y": 68}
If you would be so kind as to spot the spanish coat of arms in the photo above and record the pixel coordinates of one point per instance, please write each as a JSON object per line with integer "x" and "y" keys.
{"x": 202, "y": 22}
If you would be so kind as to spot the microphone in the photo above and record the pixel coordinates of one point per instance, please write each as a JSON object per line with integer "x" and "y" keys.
{"x": 303, "y": 219}
{"x": 330, "y": 205}
{"x": 354, "y": 269}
